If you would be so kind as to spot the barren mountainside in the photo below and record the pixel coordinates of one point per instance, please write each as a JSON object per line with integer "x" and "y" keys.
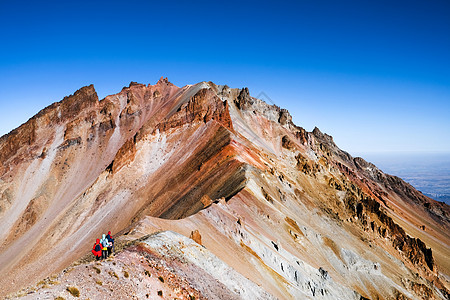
{"x": 275, "y": 211}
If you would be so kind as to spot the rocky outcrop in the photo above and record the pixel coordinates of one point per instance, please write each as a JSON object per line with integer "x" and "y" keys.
{"x": 196, "y": 237}
{"x": 83, "y": 99}
{"x": 302, "y": 135}
{"x": 285, "y": 117}
{"x": 413, "y": 249}
{"x": 287, "y": 143}
{"x": 202, "y": 107}
{"x": 125, "y": 155}
{"x": 243, "y": 100}
{"x": 370, "y": 214}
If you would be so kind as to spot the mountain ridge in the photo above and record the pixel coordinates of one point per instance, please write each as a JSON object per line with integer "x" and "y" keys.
{"x": 163, "y": 151}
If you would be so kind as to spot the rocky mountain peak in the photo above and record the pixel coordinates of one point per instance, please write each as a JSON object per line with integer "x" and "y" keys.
{"x": 243, "y": 100}
{"x": 323, "y": 136}
{"x": 163, "y": 81}
{"x": 133, "y": 83}
{"x": 82, "y": 99}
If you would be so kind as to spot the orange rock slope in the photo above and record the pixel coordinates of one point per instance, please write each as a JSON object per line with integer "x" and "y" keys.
{"x": 283, "y": 207}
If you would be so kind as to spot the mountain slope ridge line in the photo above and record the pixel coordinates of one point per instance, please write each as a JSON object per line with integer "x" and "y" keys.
{"x": 173, "y": 153}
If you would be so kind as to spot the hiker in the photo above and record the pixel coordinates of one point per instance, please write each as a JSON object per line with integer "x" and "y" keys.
{"x": 105, "y": 244}
{"x": 97, "y": 249}
{"x": 111, "y": 243}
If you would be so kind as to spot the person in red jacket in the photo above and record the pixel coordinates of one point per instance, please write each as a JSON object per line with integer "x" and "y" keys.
{"x": 97, "y": 250}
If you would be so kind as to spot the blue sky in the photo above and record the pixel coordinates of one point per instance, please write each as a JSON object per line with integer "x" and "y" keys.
{"x": 373, "y": 74}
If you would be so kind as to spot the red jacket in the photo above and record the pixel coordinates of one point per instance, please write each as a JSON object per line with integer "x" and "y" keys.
{"x": 97, "y": 252}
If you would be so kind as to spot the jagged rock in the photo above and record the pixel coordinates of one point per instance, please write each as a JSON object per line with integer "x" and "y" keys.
{"x": 163, "y": 81}
{"x": 125, "y": 155}
{"x": 196, "y": 237}
{"x": 302, "y": 136}
{"x": 285, "y": 117}
{"x": 244, "y": 101}
{"x": 287, "y": 143}
{"x": 206, "y": 201}
{"x": 134, "y": 83}
{"x": 202, "y": 107}
{"x": 84, "y": 98}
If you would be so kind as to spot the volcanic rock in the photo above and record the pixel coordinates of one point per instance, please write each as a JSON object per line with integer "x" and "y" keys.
{"x": 283, "y": 213}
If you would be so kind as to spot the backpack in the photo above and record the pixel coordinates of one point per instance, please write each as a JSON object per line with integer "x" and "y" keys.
{"x": 97, "y": 247}
{"x": 104, "y": 242}
{"x": 110, "y": 239}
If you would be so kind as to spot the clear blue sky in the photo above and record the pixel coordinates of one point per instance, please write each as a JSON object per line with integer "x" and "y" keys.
{"x": 373, "y": 74}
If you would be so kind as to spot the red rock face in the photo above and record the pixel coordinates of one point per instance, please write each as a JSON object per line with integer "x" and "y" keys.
{"x": 225, "y": 169}
{"x": 124, "y": 155}
{"x": 204, "y": 106}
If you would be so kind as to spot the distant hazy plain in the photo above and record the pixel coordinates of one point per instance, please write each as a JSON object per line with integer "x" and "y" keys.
{"x": 427, "y": 172}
